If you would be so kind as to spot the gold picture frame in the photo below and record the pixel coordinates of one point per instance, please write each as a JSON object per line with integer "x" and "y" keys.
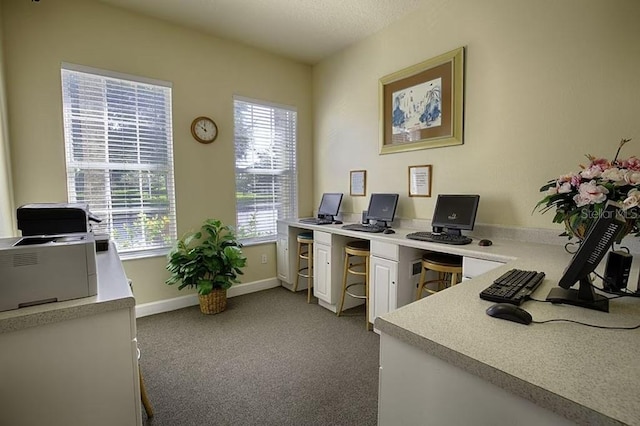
{"x": 358, "y": 183}
{"x": 422, "y": 106}
{"x": 420, "y": 181}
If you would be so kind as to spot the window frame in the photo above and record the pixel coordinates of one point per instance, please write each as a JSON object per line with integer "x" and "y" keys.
{"x": 291, "y": 187}
{"x": 111, "y": 167}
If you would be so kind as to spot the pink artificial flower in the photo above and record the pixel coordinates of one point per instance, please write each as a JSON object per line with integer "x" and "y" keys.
{"x": 590, "y": 193}
{"x": 592, "y": 172}
{"x": 631, "y": 163}
{"x": 602, "y": 163}
{"x": 565, "y": 183}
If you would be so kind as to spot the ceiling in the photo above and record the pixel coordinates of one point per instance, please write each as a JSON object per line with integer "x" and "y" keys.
{"x": 304, "y": 30}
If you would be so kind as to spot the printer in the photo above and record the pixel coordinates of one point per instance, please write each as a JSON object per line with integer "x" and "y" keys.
{"x": 41, "y": 269}
{"x": 54, "y": 218}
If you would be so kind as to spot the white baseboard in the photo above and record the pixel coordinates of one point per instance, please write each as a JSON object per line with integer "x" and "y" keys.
{"x": 167, "y": 305}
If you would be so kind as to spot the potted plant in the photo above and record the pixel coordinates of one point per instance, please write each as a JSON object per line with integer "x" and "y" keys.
{"x": 209, "y": 260}
{"x": 579, "y": 197}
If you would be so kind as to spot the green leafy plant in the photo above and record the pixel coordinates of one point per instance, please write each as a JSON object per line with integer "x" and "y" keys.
{"x": 209, "y": 259}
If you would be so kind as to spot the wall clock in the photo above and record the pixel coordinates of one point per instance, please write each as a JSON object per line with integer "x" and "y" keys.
{"x": 204, "y": 130}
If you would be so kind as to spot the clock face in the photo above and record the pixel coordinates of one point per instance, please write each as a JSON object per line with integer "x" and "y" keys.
{"x": 204, "y": 130}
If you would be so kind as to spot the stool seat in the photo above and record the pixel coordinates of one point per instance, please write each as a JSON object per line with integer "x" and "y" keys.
{"x": 356, "y": 249}
{"x": 305, "y": 253}
{"x": 448, "y": 267}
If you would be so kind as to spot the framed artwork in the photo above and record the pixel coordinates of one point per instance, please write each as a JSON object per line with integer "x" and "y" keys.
{"x": 422, "y": 106}
{"x": 358, "y": 183}
{"x": 420, "y": 181}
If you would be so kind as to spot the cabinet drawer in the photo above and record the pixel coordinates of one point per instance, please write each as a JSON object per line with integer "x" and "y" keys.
{"x": 472, "y": 267}
{"x": 322, "y": 237}
{"x": 385, "y": 250}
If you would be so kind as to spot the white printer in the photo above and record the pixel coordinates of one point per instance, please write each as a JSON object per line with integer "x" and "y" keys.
{"x": 48, "y": 268}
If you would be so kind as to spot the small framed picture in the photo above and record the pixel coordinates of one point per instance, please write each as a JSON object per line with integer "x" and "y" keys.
{"x": 420, "y": 181}
{"x": 358, "y": 184}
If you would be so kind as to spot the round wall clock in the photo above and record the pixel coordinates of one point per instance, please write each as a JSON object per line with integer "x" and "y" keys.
{"x": 204, "y": 130}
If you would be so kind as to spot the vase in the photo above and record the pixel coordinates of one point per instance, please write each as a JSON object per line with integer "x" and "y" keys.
{"x": 214, "y": 302}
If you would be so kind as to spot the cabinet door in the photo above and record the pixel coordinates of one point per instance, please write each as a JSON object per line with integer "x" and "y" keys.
{"x": 322, "y": 272}
{"x": 382, "y": 287}
{"x": 282, "y": 246}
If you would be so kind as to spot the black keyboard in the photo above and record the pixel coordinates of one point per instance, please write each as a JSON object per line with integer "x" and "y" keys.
{"x": 439, "y": 238}
{"x": 513, "y": 287}
{"x": 363, "y": 228}
{"x": 316, "y": 221}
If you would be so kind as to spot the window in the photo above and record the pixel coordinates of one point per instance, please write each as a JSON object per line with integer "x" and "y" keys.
{"x": 119, "y": 155}
{"x": 265, "y": 141}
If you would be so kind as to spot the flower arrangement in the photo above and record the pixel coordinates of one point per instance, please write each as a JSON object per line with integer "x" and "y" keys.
{"x": 579, "y": 197}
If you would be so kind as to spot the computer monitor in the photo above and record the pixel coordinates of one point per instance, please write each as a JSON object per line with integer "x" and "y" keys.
{"x": 329, "y": 205}
{"x": 382, "y": 208}
{"x": 596, "y": 243}
{"x": 454, "y": 213}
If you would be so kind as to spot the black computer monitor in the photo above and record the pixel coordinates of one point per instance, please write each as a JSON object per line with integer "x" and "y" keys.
{"x": 329, "y": 205}
{"x": 596, "y": 243}
{"x": 382, "y": 208}
{"x": 454, "y": 213}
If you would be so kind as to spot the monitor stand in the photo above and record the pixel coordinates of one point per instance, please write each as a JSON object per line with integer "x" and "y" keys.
{"x": 584, "y": 296}
{"x": 441, "y": 230}
{"x": 326, "y": 216}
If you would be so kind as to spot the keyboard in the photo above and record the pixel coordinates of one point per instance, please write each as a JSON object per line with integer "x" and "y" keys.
{"x": 513, "y": 287}
{"x": 316, "y": 221}
{"x": 363, "y": 228}
{"x": 439, "y": 238}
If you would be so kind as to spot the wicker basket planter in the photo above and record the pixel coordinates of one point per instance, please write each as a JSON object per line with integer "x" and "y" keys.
{"x": 214, "y": 302}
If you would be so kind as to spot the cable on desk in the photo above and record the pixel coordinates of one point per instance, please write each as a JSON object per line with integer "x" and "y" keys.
{"x": 634, "y": 327}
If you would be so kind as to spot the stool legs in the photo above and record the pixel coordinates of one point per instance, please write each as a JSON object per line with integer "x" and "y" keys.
{"x": 347, "y": 267}
{"x": 295, "y": 285}
{"x": 344, "y": 282}
{"x": 310, "y": 277}
{"x": 145, "y": 399}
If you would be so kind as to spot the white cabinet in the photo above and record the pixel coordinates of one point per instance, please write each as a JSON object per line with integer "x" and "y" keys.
{"x": 383, "y": 286}
{"x": 472, "y": 267}
{"x": 282, "y": 253}
{"x": 322, "y": 271}
{"x": 287, "y": 256}
{"x": 392, "y": 278}
{"x": 73, "y": 362}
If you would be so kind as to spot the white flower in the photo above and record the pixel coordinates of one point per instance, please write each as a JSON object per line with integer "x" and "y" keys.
{"x": 565, "y": 188}
{"x": 632, "y": 200}
{"x": 632, "y": 177}
{"x": 590, "y": 193}
{"x": 591, "y": 173}
{"x": 614, "y": 175}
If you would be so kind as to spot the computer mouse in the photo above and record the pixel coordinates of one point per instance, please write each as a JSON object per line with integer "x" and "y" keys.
{"x": 388, "y": 231}
{"x": 337, "y": 222}
{"x": 485, "y": 243}
{"x": 510, "y": 312}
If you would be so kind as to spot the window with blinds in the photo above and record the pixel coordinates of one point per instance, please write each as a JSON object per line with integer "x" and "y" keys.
{"x": 119, "y": 156}
{"x": 265, "y": 143}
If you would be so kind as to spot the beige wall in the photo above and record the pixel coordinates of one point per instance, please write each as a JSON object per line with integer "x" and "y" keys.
{"x": 546, "y": 82}
{"x": 205, "y": 71}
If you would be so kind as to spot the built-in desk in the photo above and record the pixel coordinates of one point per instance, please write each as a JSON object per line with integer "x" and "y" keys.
{"x": 73, "y": 362}
{"x": 444, "y": 361}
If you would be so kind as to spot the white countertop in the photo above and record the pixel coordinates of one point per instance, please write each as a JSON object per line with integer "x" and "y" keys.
{"x": 113, "y": 293}
{"x": 586, "y": 374}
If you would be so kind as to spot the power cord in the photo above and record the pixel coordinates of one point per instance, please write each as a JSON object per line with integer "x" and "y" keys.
{"x": 635, "y": 327}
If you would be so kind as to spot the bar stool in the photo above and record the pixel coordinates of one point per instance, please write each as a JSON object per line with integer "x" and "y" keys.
{"x": 360, "y": 268}
{"x": 448, "y": 267}
{"x": 305, "y": 253}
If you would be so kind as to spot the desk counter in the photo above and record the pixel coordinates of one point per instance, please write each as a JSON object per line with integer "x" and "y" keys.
{"x": 584, "y": 374}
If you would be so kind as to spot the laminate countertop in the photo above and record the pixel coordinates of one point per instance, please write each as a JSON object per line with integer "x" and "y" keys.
{"x": 114, "y": 293}
{"x": 588, "y": 375}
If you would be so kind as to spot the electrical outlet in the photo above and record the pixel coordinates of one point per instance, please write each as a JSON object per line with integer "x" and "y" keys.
{"x": 264, "y": 258}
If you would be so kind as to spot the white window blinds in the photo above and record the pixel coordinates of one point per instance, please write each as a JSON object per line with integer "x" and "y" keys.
{"x": 265, "y": 142}
{"x": 119, "y": 155}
